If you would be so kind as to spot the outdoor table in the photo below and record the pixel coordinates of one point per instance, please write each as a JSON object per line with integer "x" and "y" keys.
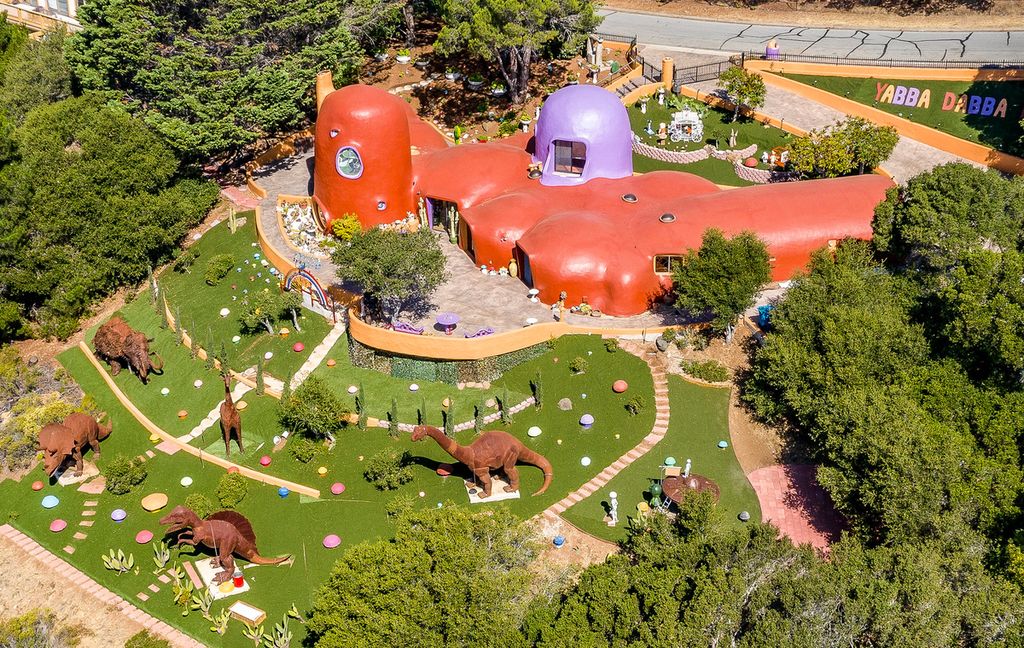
{"x": 448, "y": 321}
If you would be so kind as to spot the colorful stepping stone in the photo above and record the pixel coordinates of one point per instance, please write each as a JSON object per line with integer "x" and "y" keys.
{"x": 58, "y": 525}
{"x": 586, "y": 421}
{"x": 118, "y": 515}
{"x": 265, "y": 460}
{"x": 236, "y": 339}
{"x": 182, "y": 414}
{"x": 445, "y": 469}
{"x": 50, "y": 501}
{"x": 414, "y": 387}
{"x": 620, "y": 386}
{"x": 165, "y": 391}
{"x": 585, "y": 461}
{"x": 283, "y": 492}
{"x": 233, "y": 469}
{"x": 558, "y": 541}
{"x": 298, "y": 347}
{"x": 331, "y": 362}
{"x": 352, "y": 389}
{"x": 186, "y": 482}
{"x": 533, "y": 431}
{"x": 337, "y": 488}
{"x": 723, "y": 444}
{"x": 154, "y": 501}
{"x": 331, "y": 541}
{"x": 37, "y": 485}
{"x": 268, "y": 355}
{"x": 322, "y": 471}
{"x": 241, "y": 405}
{"x": 224, "y": 312}
{"x": 197, "y": 383}
{"x": 144, "y": 536}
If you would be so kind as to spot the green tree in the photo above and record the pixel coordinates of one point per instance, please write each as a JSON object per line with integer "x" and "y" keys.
{"x": 514, "y": 34}
{"x": 313, "y": 410}
{"x": 261, "y": 309}
{"x": 393, "y": 269}
{"x": 744, "y": 88}
{"x": 12, "y": 39}
{"x": 824, "y": 153}
{"x": 869, "y": 143}
{"x": 450, "y": 576}
{"x": 36, "y": 75}
{"x": 291, "y": 301}
{"x": 721, "y": 277}
{"x": 217, "y": 79}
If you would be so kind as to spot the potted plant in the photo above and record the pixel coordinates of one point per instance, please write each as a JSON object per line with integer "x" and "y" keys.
{"x": 452, "y": 74}
{"x": 381, "y": 55}
{"x": 403, "y": 56}
{"x": 524, "y": 122}
{"x": 422, "y": 62}
{"x": 574, "y": 78}
{"x": 475, "y": 81}
{"x": 497, "y": 89}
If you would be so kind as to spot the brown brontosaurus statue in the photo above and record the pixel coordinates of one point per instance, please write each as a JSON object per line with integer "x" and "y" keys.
{"x": 121, "y": 345}
{"x": 226, "y": 532}
{"x": 230, "y": 420}
{"x": 58, "y": 441}
{"x": 491, "y": 450}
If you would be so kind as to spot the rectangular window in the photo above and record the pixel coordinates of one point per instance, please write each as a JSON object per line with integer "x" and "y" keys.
{"x": 663, "y": 263}
{"x": 570, "y": 157}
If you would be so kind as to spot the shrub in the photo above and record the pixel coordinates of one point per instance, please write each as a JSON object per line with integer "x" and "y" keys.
{"x": 346, "y": 227}
{"x": 303, "y": 449}
{"x": 200, "y": 504}
{"x": 183, "y": 263}
{"x": 388, "y": 469}
{"x": 38, "y": 628}
{"x": 143, "y": 639}
{"x": 399, "y": 505}
{"x": 579, "y": 365}
{"x": 709, "y": 370}
{"x": 507, "y": 127}
{"x": 636, "y": 405}
{"x": 232, "y": 489}
{"x": 611, "y": 345}
{"x": 314, "y": 410}
{"x": 669, "y": 334}
{"x": 218, "y": 267}
{"x": 123, "y": 474}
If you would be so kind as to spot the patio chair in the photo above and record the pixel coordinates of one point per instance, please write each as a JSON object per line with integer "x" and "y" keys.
{"x": 405, "y": 327}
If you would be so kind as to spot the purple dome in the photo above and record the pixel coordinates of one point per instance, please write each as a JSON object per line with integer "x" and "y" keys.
{"x": 583, "y": 133}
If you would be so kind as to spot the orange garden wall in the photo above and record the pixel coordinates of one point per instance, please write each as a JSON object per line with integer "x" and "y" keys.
{"x": 877, "y": 71}
{"x": 960, "y": 147}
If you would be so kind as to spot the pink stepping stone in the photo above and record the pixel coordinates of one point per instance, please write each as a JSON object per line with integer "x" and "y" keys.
{"x": 298, "y": 347}
{"x": 37, "y": 485}
{"x": 445, "y": 469}
{"x": 265, "y": 460}
{"x": 337, "y": 488}
{"x": 144, "y": 536}
{"x": 58, "y": 525}
{"x": 331, "y": 541}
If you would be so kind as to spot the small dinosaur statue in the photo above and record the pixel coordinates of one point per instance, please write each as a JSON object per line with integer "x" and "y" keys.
{"x": 226, "y": 532}
{"x": 490, "y": 451}
{"x": 230, "y": 419}
{"x": 58, "y": 441}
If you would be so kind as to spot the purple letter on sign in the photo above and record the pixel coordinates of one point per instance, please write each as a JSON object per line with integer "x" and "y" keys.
{"x": 912, "y": 95}
{"x": 974, "y": 105}
{"x": 901, "y": 94}
{"x": 988, "y": 106}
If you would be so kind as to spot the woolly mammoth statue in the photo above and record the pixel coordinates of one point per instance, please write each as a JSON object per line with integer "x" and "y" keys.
{"x": 122, "y": 346}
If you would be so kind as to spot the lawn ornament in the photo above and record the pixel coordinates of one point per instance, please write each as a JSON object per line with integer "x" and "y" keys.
{"x": 686, "y": 126}
{"x": 226, "y": 532}
{"x": 58, "y": 441}
{"x": 121, "y": 345}
{"x": 230, "y": 420}
{"x": 491, "y": 450}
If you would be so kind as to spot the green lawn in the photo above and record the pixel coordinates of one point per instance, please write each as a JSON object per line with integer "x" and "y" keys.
{"x": 200, "y": 304}
{"x": 1002, "y": 133}
{"x": 699, "y": 420}
{"x": 717, "y": 171}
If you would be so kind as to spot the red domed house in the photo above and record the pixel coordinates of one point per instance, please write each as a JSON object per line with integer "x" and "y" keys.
{"x": 584, "y": 224}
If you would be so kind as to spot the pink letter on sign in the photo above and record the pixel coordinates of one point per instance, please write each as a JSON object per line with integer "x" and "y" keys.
{"x": 879, "y": 88}
{"x": 901, "y": 94}
{"x": 912, "y": 95}
{"x": 948, "y": 101}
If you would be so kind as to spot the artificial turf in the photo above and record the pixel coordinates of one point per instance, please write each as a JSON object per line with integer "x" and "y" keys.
{"x": 699, "y": 419}
{"x": 1001, "y": 133}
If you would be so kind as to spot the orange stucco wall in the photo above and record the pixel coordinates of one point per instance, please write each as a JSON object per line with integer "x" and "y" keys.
{"x": 872, "y": 71}
{"x": 959, "y": 147}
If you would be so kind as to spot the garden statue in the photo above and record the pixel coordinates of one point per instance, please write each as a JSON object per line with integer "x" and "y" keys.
{"x": 230, "y": 419}
{"x": 226, "y": 532}
{"x": 686, "y": 471}
{"x": 121, "y": 345}
{"x": 491, "y": 450}
{"x": 58, "y": 441}
{"x": 613, "y": 508}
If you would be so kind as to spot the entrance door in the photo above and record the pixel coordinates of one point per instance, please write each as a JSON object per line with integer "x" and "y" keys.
{"x": 444, "y": 217}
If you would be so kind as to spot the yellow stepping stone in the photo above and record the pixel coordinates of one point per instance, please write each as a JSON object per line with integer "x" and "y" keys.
{"x": 154, "y": 502}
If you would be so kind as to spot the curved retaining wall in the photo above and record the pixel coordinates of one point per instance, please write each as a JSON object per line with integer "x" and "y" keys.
{"x": 877, "y": 71}
{"x": 152, "y": 428}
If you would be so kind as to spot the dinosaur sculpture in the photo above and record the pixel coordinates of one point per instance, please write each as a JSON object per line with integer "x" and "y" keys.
{"x": 226, "y": 532}
{"x": 490, "y": 451}
{"x": 58, "y": 441}
{"x": 230, "y": 419}
{"x": 121, "y": 345}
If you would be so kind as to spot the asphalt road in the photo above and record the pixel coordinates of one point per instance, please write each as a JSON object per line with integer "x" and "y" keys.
{"x": 848, "y": 43}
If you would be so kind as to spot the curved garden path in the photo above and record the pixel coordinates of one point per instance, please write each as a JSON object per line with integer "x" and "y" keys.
{"x": 656, "y": 363}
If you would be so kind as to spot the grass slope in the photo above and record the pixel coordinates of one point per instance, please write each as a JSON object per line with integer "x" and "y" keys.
{"x": 1000, "y": 133}
{"x": 699, "y": 420}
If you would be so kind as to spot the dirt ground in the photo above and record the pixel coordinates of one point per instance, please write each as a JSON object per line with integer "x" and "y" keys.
{"x": 26, "y": 585}
{"x": 1004, "y": 14}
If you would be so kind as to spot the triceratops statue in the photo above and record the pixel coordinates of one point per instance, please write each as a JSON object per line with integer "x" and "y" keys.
{"x": 58, "y": 441}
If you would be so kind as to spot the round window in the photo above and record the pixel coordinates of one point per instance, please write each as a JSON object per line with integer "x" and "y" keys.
{"x": 349, "y": 164}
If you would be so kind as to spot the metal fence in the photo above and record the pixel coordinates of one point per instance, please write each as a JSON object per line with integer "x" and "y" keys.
{"x": 705, "y": 72}
{"x": 838, "y": 60}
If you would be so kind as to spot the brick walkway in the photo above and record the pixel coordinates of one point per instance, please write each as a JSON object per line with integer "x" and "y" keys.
{"x": 104, "y": 596}
{"x": 792, "y": 500}
{"x": 661, "y": 406}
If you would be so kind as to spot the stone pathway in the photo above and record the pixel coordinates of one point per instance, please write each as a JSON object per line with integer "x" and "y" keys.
{"x": 318, "y": 354}
{"x": 661, "y": 405}
{"x": 88, "y": 513}
{"x": 76, "y": 579}
{"x": 792, "y": 500}
{"x": 908, "y": 159}
{"x": 240, "y": 390}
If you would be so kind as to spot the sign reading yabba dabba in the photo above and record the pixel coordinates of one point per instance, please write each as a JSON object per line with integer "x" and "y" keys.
{"x": 968, "y": 104}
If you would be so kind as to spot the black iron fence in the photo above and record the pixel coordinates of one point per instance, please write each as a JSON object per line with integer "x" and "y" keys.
{"x": 704, "y": 72}
{"x": 839, "y": 60}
